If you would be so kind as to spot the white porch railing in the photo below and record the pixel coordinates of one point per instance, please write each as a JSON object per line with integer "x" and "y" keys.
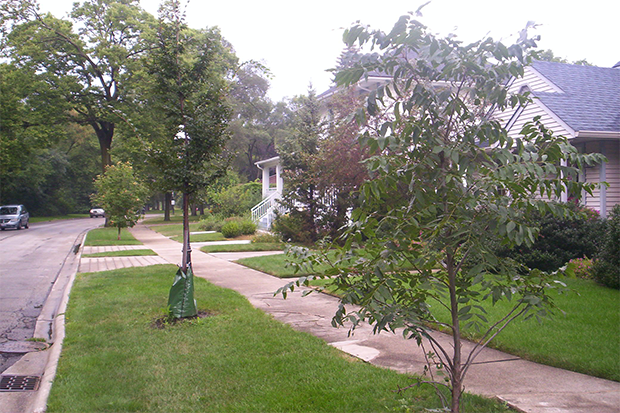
{"x": 263, "y": 213}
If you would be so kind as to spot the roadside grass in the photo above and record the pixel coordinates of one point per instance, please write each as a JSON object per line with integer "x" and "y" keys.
{"x": 125, "y": 253}
{"x": 58, "y": 217}
{"x": 107, "y": 236}
{"x": 237, "y": 359}
{"x": 254, "y": 246}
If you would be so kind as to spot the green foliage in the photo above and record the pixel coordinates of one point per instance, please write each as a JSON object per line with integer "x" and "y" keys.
{"x": 212, "y": 222}
{"x": 189, "y": 69}
{"x": 453, "y": 177}
{"x": 236, "y": 226}
{"x": 266, "y": 238}
{"x": 560, "y": 238}
{"x": 606, "y": 269}
{"x": 582, "y": 267}
{"x": 121, "y": 195}
{"x": 88, "y": 70}
{"x": 296, "y": 226}
{"x": 237, "y": 199}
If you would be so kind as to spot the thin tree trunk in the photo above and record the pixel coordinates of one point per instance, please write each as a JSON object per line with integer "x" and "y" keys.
{"x": 186, "y": 245}
{"x": 457, "y": 369}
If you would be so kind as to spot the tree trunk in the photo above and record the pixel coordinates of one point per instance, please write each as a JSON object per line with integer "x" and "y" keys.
{"x": 186, "y": 245}
{"x": 456, "y": 375}
{"x": 167, "y": 202}
{"x": 105, "y": 133}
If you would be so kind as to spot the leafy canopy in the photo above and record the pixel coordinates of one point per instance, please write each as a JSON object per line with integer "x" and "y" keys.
{"x": 121, "y": 195}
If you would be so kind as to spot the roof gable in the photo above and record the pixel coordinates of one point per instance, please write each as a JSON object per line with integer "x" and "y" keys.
{"x": 588, "y": 98}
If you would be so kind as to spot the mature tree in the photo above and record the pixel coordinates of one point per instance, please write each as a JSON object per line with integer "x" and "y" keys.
{"x": 338, "y": 166}
{"x": 90, "y": 65}
{"x": 250, "y": 125}
{"x": 121, "y": 195}
{"x": 43, "y": 165}
{"x": 190, "y": 69}
{"x": 459, "y": 179}
{"x": 297, "y": 153}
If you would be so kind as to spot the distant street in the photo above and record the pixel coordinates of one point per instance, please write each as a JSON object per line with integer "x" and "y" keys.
{"x": 30, "y": 261}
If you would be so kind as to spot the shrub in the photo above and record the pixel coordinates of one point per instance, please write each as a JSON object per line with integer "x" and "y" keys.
{"x": 236, "y": 226}
{"x": 582, "y": 267}
{"x": 211, "y": 222}
{"x": 561, "y": 239}
{"x": 231, "y": 229}
{"x": 266, "y": 238}
{"x": 606, "y": 269}
{"x": 296, "y": 226}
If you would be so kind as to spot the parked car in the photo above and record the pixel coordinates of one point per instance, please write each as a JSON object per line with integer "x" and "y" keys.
{"x": 13, "y": 216}
{"x": 97, "y": 212}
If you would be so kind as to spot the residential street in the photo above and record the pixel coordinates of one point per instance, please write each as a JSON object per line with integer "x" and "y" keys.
{"x": 31, "y": 260}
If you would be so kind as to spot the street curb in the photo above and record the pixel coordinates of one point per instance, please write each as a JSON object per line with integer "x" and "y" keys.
{"x": 39, "y": 404}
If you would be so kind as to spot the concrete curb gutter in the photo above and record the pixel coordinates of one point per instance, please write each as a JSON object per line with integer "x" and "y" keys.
{"x": 58, "y": 335}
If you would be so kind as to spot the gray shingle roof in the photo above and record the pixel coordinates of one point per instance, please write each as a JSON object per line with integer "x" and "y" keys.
{"x": 591, "y": 95}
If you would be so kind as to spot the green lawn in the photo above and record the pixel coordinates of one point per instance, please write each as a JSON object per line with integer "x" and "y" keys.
{"x": 59, "y": 217}
{"x": 238, "y": 359}
{"x": 254, "y": 246}
{"x": 584, "y": 339}
{"x": 175, "y": 232}
{"x": 108, "y": 236}
{"x": 177, "y": 218}
{"x": 124, "y": 253}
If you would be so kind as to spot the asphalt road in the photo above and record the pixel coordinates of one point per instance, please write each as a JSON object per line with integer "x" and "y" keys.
{"x": 30, "y": 261}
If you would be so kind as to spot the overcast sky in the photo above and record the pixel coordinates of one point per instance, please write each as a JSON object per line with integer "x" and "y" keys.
{"x": 299, "y": 40}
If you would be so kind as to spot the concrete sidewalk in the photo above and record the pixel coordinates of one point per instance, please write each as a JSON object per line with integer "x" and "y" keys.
{"x": 527, "y": 386}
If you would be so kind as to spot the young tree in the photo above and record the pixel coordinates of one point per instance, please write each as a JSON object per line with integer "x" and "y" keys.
{"x": 190, "y": 69}
{"x": 445, "y": 177}
{"x": 121, "y": 195}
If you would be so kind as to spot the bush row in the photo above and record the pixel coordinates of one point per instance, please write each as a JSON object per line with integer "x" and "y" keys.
{"x": 592, "y": 244}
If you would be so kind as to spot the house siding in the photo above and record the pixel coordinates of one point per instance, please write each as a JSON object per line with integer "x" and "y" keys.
{"x": 612, "y": 152}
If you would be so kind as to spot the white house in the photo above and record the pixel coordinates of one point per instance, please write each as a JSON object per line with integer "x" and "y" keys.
{"x": 273, "y": 185}
{"x": 581, "y": 103}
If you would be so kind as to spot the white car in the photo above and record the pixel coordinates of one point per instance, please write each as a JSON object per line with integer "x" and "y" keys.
{"x": 97, "y": 212}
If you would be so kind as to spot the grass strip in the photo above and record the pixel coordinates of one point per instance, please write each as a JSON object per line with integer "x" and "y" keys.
{"x": 108, "y": 236}
{"x": 178, "y": 218}
{"x": 57, "y": 217}
{"x": 125, "y": 253}
{"x": 171, "y": 230}
{"x": 236, "y": 360}
{"x": 216, "y": 236}
{"x": 254, "y": 246}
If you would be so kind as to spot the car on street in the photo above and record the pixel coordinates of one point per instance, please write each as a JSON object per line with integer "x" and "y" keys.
{"x": 13, "y": 216}
{"x": 97, "y": 212}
